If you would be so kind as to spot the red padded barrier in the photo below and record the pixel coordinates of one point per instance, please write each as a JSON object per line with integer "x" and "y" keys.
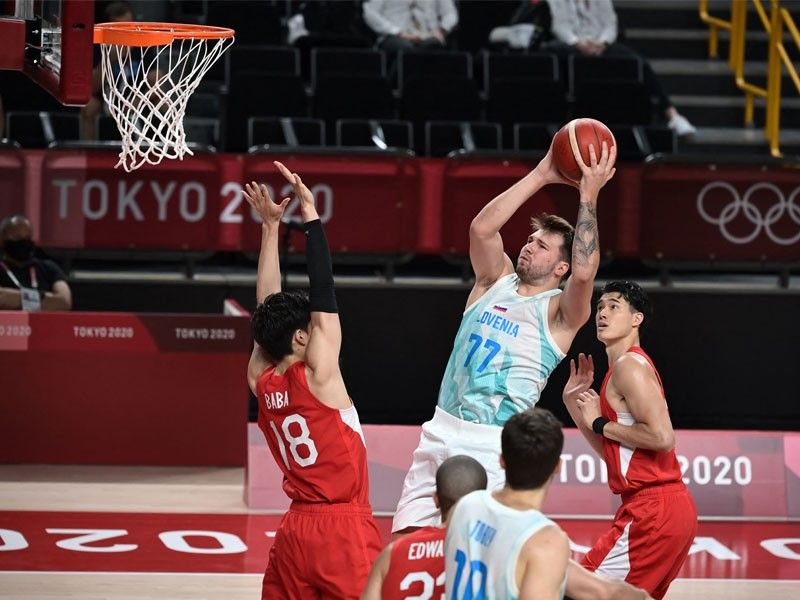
{"x": 87, "y": 203}
{"x": 397, "y": 205}
{"x": 726, "y": 213}
{"x": 368, "y": 204}
{"x": 118, "y": 388}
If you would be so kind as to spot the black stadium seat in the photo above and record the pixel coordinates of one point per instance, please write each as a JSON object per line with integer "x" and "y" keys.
{"x": 603, "y": 68}
{"x": 443, "y": 137}
{"x": 497, "y": 66}
{"x": 533, "y": 136}
{"x": 254, "y": 94}
{"x": 278, "y": 60}
{"x": 285, "y": 131}
{"x": 412, "y": 65}
{"x": 353, "y": 96}
{"x": 526, "y": 100}
{"x": 327, "y": 62}
{"x": 614, "y": 102}
{"x": 374, "y": 133}
{"x": 33, "y": 129}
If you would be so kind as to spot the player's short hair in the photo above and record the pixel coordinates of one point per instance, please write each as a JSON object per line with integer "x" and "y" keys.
{"x": 532, "y": 441}
{"x": 456, "y": 477}
{"x": 634, "y": 295}
{"x": 276, "y": 319}
{"x": 555, "y": 224}
{"x": 12, "y": 220}
{"x": 117, "y": 10}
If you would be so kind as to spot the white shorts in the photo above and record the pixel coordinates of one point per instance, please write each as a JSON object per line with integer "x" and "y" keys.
{"x": 442, "y": 437}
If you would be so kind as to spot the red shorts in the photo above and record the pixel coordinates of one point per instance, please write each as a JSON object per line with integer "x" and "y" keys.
{"x": 321, "y": 551}
{"x": 650, "y": 539}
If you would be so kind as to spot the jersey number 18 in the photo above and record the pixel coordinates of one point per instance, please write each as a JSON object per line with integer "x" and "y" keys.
{"x": 295, "y": 441}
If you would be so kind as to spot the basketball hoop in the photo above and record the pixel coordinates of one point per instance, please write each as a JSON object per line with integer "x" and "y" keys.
{"x": 149, "y": 72}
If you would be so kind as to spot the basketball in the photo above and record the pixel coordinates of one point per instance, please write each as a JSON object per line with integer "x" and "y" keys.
{"x": 587, "y": 132}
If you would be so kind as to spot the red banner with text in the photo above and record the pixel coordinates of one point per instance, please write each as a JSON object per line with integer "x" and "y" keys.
{"x": 373, "y": 204}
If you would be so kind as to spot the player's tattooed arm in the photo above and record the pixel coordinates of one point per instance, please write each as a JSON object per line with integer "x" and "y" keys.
{"x": 586, "y": 246}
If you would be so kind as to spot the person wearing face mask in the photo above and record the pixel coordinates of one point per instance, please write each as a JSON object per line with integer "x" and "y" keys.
{"x": 27, "y": 282}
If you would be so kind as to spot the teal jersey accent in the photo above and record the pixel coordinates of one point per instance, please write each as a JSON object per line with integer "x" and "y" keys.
{"x": 502, "y": 355}
{"x": 483, "y": 542}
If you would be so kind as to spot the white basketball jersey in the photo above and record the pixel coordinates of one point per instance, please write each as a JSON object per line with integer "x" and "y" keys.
{"x": 483, "y": 542}
{"x": 502, "y": 355}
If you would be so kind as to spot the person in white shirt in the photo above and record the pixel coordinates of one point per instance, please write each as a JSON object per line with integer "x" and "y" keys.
{"x": 589, "y": 27}
{"x": 411, "y": 24}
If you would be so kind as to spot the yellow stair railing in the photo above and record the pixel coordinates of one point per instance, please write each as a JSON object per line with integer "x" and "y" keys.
{"x": 773, "y": 24}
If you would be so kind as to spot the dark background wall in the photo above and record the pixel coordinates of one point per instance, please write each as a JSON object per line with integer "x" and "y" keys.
{"x": 729, "y": 360}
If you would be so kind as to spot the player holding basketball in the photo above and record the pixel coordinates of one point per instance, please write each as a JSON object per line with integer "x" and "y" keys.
{"x": 500, "y": 545}
{"x": 516, "y": 328}
{"x": 628, "y": 425}
{"x": 308, "y": 419}
{"x": 413, "y": 566}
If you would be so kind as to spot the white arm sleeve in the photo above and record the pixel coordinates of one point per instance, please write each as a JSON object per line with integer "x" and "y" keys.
{"x": 448, "y": 15}
{"x": 609, "y": 20}
{"x": 564, "y": 25}
{"x": 374, "y": 18}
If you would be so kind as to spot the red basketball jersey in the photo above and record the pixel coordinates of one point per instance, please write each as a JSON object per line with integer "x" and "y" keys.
{"x": 319, "y": 449}
{"x": 416, "y": 567}
{"x": 631, "y": 469}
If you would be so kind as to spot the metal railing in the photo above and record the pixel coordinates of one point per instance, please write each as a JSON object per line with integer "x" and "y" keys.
{"x": 773, "y": 24}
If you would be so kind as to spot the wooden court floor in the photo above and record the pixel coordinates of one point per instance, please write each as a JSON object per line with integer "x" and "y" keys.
{"x": 159, "y": 520}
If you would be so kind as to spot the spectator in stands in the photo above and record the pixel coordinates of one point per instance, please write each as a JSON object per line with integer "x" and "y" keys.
{"x": 590, "y": 29}
{"x": 115, "y": 12}
{"x": 27, "y": 282}
{"x": 528, "y": 28}
{"x": 411, "y": 24}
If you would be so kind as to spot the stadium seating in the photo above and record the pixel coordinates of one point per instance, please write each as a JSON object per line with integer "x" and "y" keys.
{"x": 38, "y": 129}
{"x": 285, "y": 132}
{"x": 374, "y": 133}
{"x": 444, "y": 137}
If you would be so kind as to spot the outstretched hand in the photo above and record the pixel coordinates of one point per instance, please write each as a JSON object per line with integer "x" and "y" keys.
{"x": 589, "y": 404}
{"x": 307, "y": 208}
{"x": 258, "y": 197}
{"x": 547, "y": 169}
{"x": 580, "y": 379}
{"x": 598, "y": 172}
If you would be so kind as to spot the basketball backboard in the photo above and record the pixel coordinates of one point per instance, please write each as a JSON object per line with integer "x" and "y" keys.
{"x": 51, "y": 42}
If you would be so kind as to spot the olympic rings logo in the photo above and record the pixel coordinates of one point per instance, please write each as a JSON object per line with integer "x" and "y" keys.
{"x": 742, "y": 204}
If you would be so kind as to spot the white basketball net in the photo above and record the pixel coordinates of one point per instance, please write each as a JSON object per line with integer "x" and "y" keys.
{"x": 147, "y": 88}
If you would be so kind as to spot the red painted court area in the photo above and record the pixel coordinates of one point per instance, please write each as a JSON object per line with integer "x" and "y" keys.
{"x": 214, "y": 543}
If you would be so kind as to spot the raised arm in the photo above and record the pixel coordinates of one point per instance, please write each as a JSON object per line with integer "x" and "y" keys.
{"x": 325, "y": 331}
{"x": 486, "y": 253}
{"x": 574, "y": 306}
{"x": 268, "y": 278}
{"x": 635, "y": 380}
{"x": 580, "y": 380}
